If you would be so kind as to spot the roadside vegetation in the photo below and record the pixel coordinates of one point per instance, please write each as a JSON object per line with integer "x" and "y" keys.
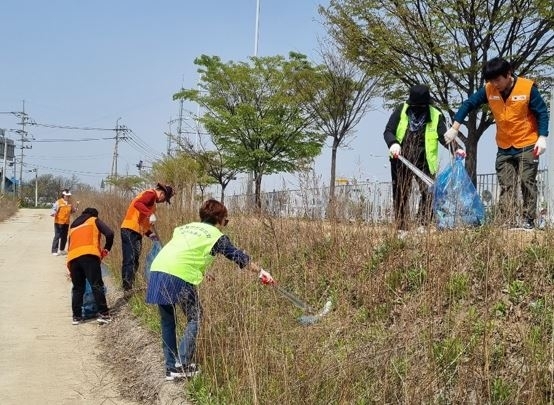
{"x": 460, "y": 316}
{"x": 9, "y": 206}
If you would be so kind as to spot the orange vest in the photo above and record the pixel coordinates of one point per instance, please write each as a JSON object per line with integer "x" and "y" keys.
{"x": 63, "y": 213}
{"x": 515, "y": 123}
{"x": 84, "y": 240}
{"x": 134, "y": 219}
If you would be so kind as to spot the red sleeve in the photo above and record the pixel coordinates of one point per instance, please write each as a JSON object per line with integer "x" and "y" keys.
{"x": 145, "y": 203}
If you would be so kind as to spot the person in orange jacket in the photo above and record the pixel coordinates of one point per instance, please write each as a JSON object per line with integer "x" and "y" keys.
{"x": 521, "y": 118}
{"x": 83, "y": 261}
{"x": 61, "y": 211}
{"x": 138, "y": 221}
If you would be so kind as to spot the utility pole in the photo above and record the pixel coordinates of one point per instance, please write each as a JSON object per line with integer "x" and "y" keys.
{"x": 24, "y": 139}
{"x": 180, "y": 125}
{"x": 3, "y": 133}
{"x": 169, "y": 135}
{"x": 250, "y": 180}
{"x": 115, "y": 150}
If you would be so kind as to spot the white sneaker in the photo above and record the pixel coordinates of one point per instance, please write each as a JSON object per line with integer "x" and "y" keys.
{"x": 55, "y": 254}
{"x": 62, "y": 253}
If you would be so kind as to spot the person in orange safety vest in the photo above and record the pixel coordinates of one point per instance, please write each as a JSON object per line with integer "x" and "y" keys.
{"x": 83, "y": 261}
{"x": 61, "y": 211}
{"x": 521, "y": 118}
{"x": 139, "y": 220}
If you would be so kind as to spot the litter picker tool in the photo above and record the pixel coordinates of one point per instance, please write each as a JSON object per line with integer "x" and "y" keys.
{"x": 426, "y": 179}
{"x": 297, "y": 302}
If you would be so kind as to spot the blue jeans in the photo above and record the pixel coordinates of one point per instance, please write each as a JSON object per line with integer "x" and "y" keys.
{"x": 190, "y": 305}
{"x": 131, "y": 246}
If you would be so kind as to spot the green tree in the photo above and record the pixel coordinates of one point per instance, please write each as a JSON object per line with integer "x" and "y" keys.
{"x": 444, "y": 43}
{"x": 49, "y": 189}
{"x": 126, "y": 185}
{"x": 254, "y": 116}
{"x": 212, "y": 163}
{"x": 183, "y": 173}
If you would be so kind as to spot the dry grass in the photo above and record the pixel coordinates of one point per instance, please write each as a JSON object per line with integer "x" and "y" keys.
{"x": 445, "y": 317}
{"x": 9, "y": 206}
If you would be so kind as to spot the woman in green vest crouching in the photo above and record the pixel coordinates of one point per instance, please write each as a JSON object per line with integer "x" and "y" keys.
{"x": 175, "y": 274}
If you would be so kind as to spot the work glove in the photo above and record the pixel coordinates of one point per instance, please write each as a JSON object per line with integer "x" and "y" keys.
{"x": 104, "y": 253}
{"x": 460, "y": 153}
{"x": 540, "y": 146}
{"x": 394, "y": 150}
{"x": 450, "y": 135}
{"x": 153, "y": 237}
{"x": 265, "y": 277}
{"x": 152, "y": 219}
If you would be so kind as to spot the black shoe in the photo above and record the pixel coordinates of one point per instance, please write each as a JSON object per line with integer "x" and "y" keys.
{"x": 77, "y": 320}
{"x": 528, "y": 224}
{"x": 104, "y": 318}
{"x": 173, "y": 373}
{"x": 191, "y": 370}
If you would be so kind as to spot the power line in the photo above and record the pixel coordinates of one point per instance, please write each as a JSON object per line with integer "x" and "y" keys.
{"x": 70, "y": 127}
{"x": 72, "y": 140}
{"x": 82, "y": 173}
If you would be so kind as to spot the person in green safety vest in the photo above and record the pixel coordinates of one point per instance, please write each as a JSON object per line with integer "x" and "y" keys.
{"x": 177, "y": 271}
{"x": 413, "y": 131}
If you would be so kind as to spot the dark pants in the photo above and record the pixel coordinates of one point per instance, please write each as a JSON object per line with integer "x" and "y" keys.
{"x": 60, "y": 237}
{"x": 84, "y": 268}
{"x": 402, "y": 178}
{"x": 131, "y": 246}
{"x": 190, "y": 304}
{"x": 510, "y": 168}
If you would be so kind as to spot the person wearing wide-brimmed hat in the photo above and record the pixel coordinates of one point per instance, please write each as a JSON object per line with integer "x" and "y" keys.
{"x": 138, "y": 222}
{"x": 413, "y": 131}
{"x": 61, "y": 211}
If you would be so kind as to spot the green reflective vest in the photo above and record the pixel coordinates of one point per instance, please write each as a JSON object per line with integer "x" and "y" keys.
{"x": 431, "y": 136}
{"x": 187, "y": 255}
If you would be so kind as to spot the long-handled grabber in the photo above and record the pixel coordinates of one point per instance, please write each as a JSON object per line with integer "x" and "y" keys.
{"x": 426, "y": 179}
{"x": 304, "y": 319}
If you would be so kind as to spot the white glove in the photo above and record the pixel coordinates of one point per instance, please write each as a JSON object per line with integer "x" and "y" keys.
{"x": 394, "y": 150}
{"x": 152, "y": 219}
{"x": 265, "y": 277}
{"x": 540, "y": 146}
{"x": 450, "y": 135}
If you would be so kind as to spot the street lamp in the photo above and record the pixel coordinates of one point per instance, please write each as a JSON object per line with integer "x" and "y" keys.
{"x": 35, "y": 170}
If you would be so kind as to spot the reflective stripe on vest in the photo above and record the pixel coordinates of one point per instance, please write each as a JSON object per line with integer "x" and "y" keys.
{"x": 84, "y": 240}
{"x": 64, "y": 212}
{"x": 515, "y": 124}
{"x": 431, "y": 136}
{"x": 134, "y": 219}
{"x": 187, "y": 255}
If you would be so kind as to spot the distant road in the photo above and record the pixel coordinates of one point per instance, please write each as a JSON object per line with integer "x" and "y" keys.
{"x": 44, "y": 359}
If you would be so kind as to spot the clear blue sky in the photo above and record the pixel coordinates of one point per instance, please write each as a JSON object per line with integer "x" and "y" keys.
{"x": 87, "y": 64}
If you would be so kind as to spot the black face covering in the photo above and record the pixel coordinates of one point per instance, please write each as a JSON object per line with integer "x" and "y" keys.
{"x": 419, "y": 109}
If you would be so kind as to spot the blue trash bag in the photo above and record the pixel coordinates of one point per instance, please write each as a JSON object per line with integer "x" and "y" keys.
{"x": 154, "y": 250}
{"x": 89, "y": 308}
{"x": 456, "y": 203}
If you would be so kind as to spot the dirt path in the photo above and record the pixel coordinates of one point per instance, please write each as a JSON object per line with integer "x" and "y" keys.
{"x": 44, "y": 359}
